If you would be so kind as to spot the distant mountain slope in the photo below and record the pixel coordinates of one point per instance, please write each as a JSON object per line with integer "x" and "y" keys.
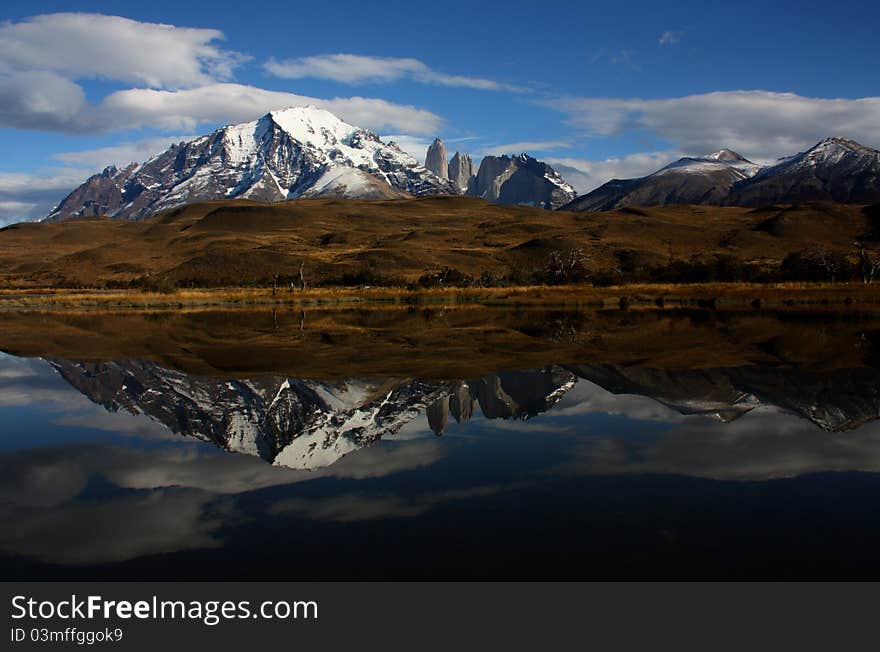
{"x": 296, "y": 152}
{"x": 835, "y": 169}
{"x": 703, "y": 180}
{"x": 520, "y": 180}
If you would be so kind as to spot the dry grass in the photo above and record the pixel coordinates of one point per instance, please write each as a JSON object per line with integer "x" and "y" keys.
{"x": 242, "y": 243}
{"x": 716, "y": 295}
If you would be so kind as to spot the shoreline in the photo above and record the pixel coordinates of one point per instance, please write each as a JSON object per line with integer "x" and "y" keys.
{"x": 702, "y": 295}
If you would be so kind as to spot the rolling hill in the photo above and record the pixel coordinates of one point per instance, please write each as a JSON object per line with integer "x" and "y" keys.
{"x": 352, "y": 242}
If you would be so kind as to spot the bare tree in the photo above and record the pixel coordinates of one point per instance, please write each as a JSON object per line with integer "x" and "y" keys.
{"x": 869, "y": 262}
{"x": 830, "y": 262}
{"x": 570, "y": 266}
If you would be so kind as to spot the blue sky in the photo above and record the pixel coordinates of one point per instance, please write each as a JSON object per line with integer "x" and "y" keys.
{"x": 600, "y": 90}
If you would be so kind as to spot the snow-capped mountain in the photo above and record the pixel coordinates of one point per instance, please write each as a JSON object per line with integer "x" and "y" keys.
{"x": 290, "y": 153}
{"x": 690, "y": 180}
{"x": 520, "y": 180}
{"x": 835, "y": 169}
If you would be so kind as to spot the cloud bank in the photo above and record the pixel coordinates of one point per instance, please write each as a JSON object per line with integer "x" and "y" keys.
{"x": 358, "y": 69}
{"x": 761, "y": 125}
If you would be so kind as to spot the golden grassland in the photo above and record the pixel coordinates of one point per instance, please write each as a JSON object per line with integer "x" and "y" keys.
{"x": 634, "y": 296}
{"x": 228, "y": 253}
{"x": 238, "y": 243}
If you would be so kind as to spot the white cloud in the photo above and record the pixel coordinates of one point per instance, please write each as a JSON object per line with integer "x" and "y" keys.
{"x": 587, "y": 175}
{"x": 41, "y": 100}
{"x": 761, "y": 125}
{"x": 186, "y": 109}
{"x": 48, "y": 102}
{"x": 181, "y": 78}
{"x": 120, "y": 154}
{"x": 412, "y": 145}
{"x": 357, "y": 69}
{"x": 24, "y": 197}
{"x": 527, "y": 146}
{"x": 82, "y": 45}
{"x": 624, "y": 58}
{"x": 669, "y": 38}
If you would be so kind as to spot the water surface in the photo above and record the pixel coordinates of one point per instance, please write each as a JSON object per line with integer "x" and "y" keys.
{"x": 469, "y": 443}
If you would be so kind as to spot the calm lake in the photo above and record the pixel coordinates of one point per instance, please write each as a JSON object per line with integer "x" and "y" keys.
{"x": 428, "y": 443}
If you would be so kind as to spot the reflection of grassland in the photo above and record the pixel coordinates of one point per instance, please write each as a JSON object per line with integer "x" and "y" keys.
{"x": 713, "y": 295}
{"x": 433, "y": 341}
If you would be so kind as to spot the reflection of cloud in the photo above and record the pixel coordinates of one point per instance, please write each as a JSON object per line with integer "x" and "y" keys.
{"x": 120, "y": 423}
{"x": 530, "y": 426}
{"x": 121, "y": 528}
{"x": 764, "y": 444}
{"x": 361, "y": 507}
{"x": 172, "y": 498}
{"x": 26, "y": 381}
{"x": 588, "y": 398}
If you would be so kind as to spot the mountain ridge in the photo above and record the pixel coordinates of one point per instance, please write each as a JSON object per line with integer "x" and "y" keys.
{"x": 835, "y": 169}
{"x": 285, "y": 154}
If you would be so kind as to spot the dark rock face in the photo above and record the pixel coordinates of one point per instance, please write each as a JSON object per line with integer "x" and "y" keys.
{"x": 286, "y": 154}
{"x": 705, "y": 180}
{"x": 101, "y": 193}
{"x": 836, "y": 169}
{"x": 435, "y": 160}
{"x": 461, "y": 171}
{"x": 520, "y": 180}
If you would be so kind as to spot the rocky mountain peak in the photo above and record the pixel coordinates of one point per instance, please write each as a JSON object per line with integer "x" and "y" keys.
{"x": 520, "y": 180}
{"x": 726, "y": 155}
{"x": 835, "y": 169}
{"x": 461, "y": 171}
{"x": 435, "y": 160}
{"x": 288, "y": 153}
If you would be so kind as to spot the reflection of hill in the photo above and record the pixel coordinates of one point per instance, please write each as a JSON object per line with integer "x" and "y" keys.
{"x": 441, "y": 344}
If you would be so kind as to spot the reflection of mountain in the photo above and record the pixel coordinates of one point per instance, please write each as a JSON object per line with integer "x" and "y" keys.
{"x": 308, "y": 424}
{"x": 305, "y": 424}
{"x": 835, "y": 400}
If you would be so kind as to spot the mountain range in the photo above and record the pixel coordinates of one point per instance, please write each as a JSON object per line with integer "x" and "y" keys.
{"x": 302, "y": 152}
{"x": 306, "y": 152}
{"x": 835, "y": 169}
{"x": 295, "y": 152}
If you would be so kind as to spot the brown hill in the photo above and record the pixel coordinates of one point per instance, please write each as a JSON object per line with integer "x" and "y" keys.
{"x": 350, "y": 241}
